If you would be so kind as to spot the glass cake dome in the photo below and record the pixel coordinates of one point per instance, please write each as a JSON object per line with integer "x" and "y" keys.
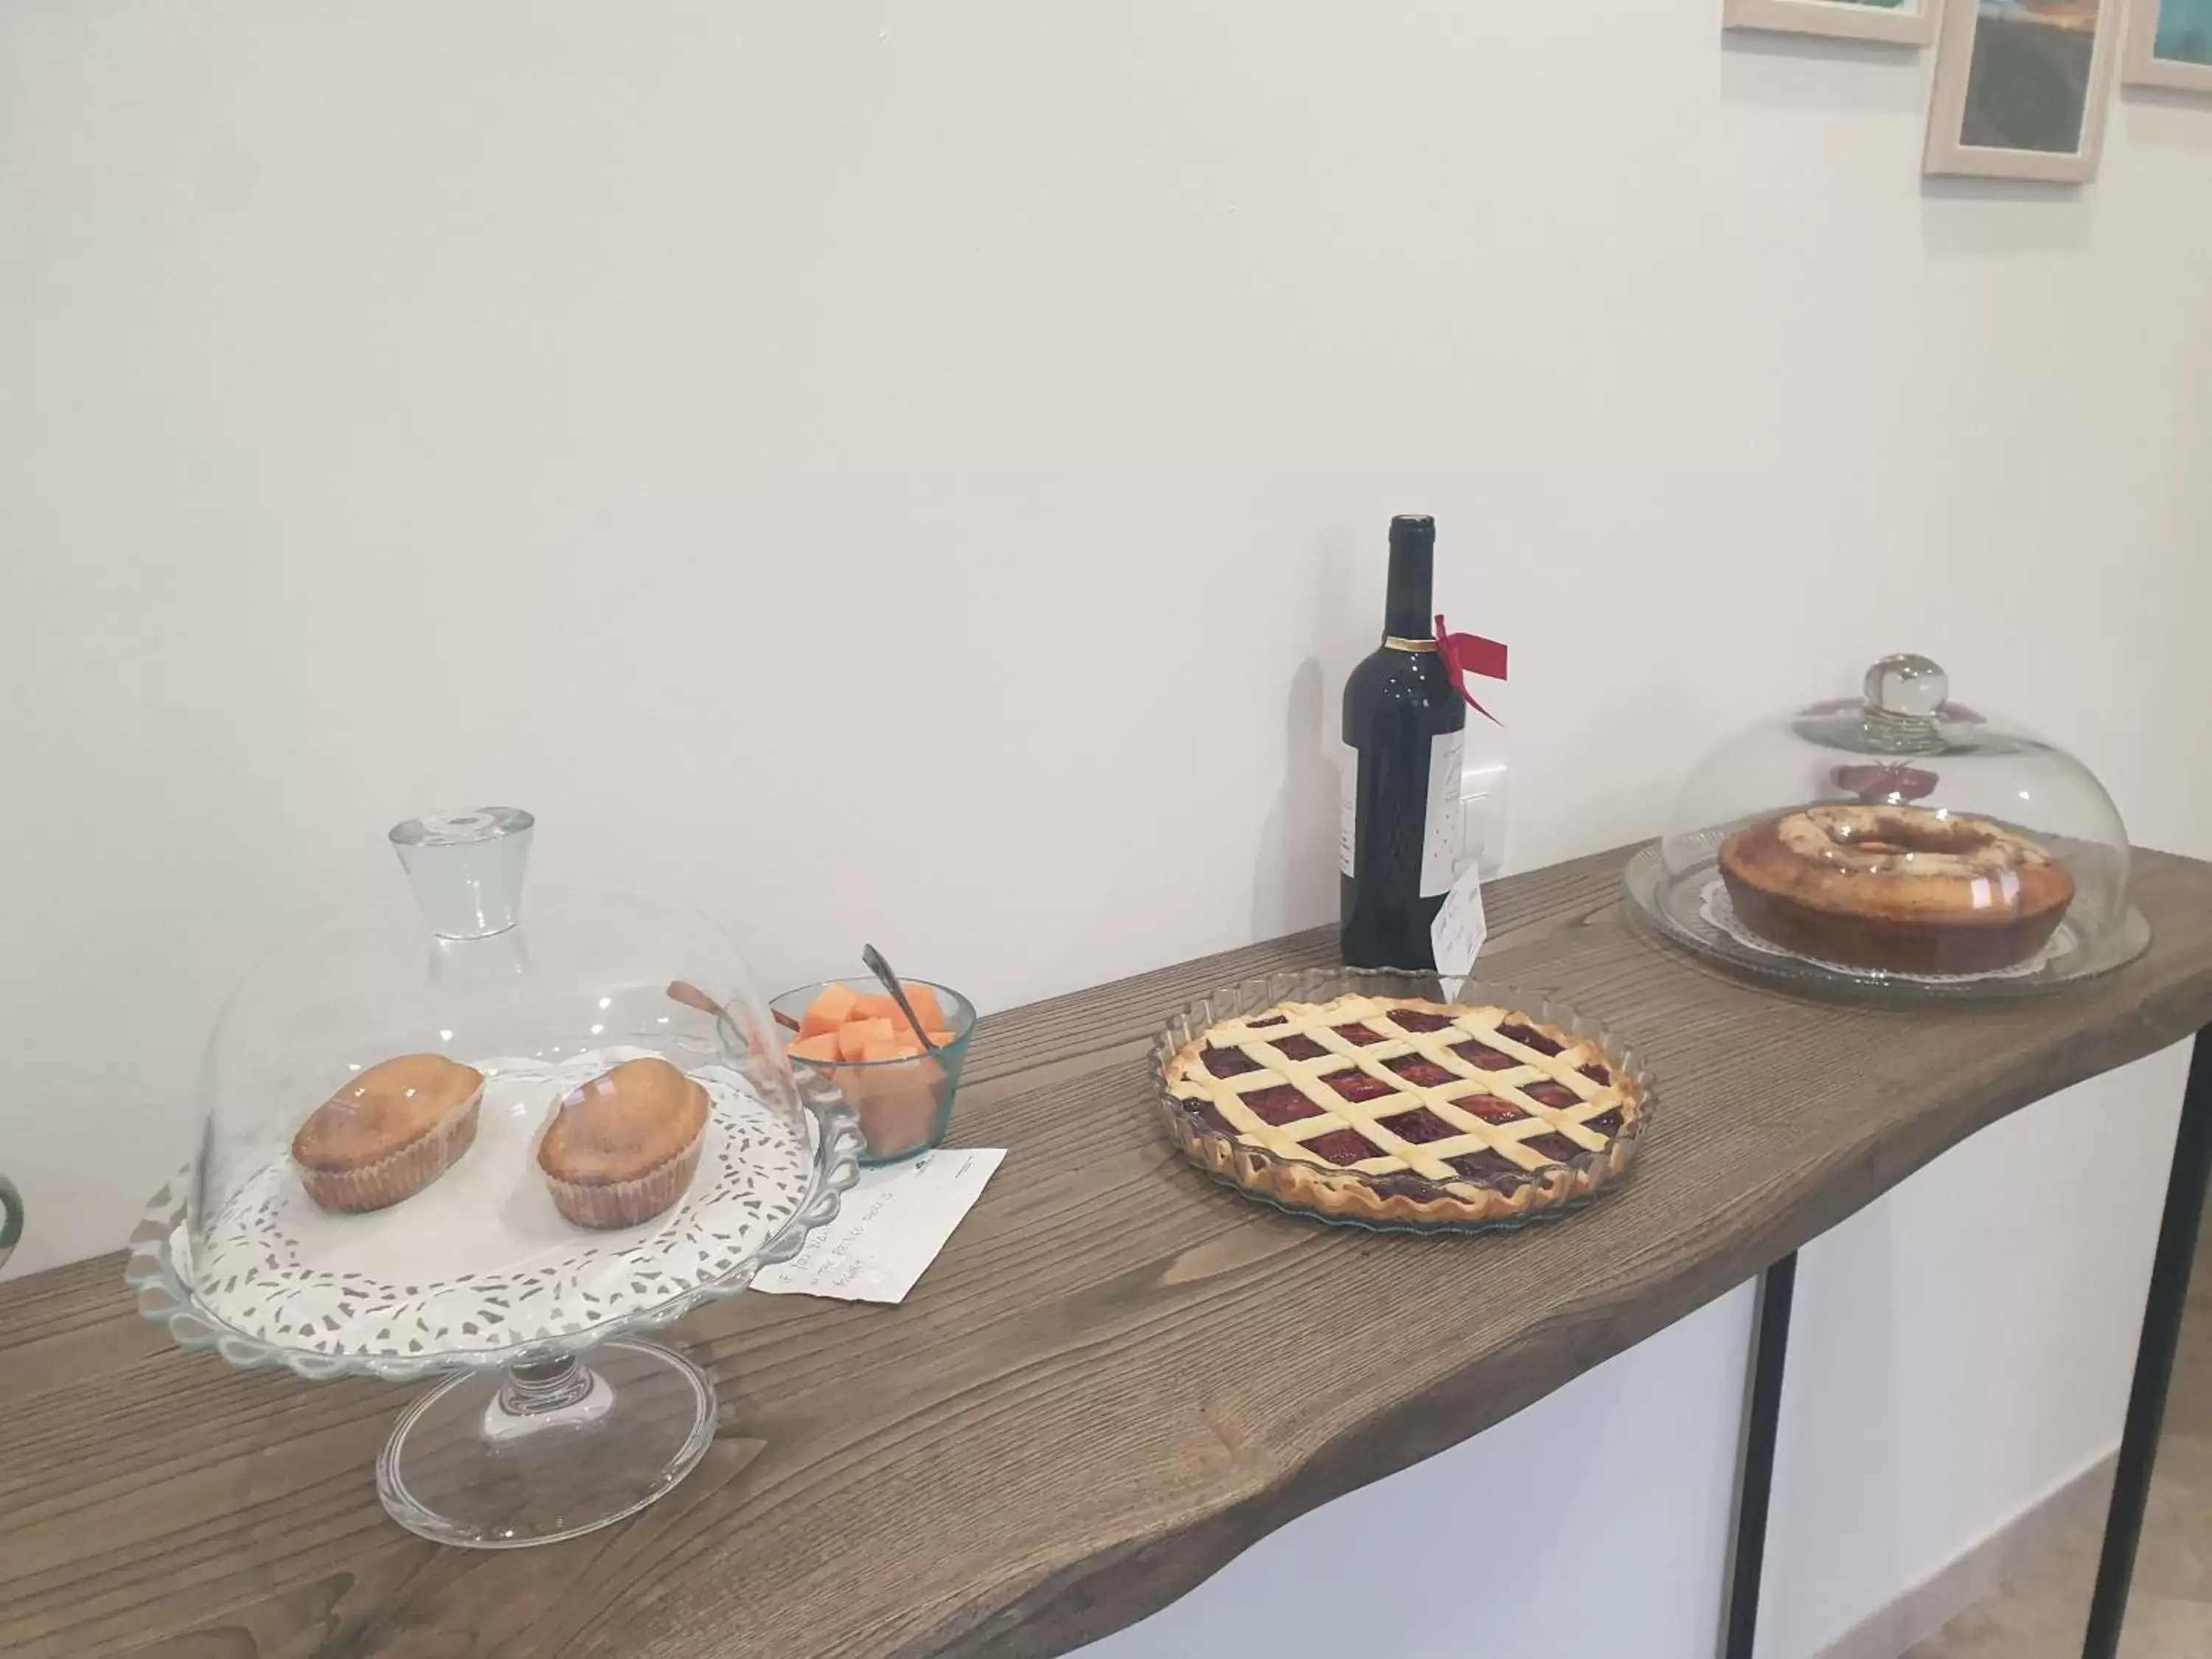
{"x": 1898, "y": 841}
{"x": 492, "y": 1131}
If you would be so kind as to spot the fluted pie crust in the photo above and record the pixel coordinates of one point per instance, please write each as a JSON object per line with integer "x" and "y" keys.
{"x": 1263, "y": 1103}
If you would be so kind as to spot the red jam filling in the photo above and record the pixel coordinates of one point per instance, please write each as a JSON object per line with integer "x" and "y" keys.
{"x": 1597, "y": 1074}
{"x": 1489, "y": 1109}
{"x": 1605, "y": 1124}
{"x": 1557, "y": 1148}
{"x": 1299, "y": 1046}
{"x": 1210, "y": 1115}
{"x": 1356, "y": 1085}
{"x": 1413, "y": 1020}
{"x": 1486, "y": 1166}
{"x": 1552, "y": 1094}
{"x": 1342, "y": 1147}
{"x": 1529, "y": 1038}
{"x": 1419, "y": 1127}
{"x": 1361, "y": 1034}
{"x": 1421, "y": 1073}
{"x": 1483, "y": 1055}
{"x": 1280, "y": 1105}
{"x": 1230, "y": 1062}
{"x": 1269, "y": 1019}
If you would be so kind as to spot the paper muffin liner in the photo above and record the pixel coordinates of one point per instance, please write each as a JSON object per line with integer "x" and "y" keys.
{"x": 627, "y": 1203}
{"x": 399, "y": 1174}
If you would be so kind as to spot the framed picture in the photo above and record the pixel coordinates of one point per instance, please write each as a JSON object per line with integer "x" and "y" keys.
{"x": 1907, "y": 22}
{"x": 2021, "y": 89}
{"x": 2169, "y": 45}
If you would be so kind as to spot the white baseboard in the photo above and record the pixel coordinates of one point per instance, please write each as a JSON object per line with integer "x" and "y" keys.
{"x": 1890, "y": 1630}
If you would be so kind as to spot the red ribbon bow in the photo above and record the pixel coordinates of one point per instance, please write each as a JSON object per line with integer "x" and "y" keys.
{"x": 1470, "y": 653}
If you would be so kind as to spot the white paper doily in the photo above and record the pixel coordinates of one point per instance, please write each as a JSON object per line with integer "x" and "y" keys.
{"x": 1717, "y": 908}
{"x": 480, "y": 1261}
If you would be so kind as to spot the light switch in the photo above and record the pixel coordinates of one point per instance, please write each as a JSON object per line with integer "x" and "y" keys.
{"x": 1482, "y": 817}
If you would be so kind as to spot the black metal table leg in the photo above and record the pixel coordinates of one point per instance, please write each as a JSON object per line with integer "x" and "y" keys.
{"x": 2161, "y": 1334}
{"x": 1770, "y": 1346}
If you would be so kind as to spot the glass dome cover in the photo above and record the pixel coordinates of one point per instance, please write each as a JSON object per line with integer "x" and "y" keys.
{"x": 478, "y": 1259}
{"x": 474, "y": 1030}
{"x": 1897, "y": 839}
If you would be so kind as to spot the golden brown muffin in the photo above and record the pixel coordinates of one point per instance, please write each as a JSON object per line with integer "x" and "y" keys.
{"x": 389, "y": 1133}
{"x": 621, "y": 1148}
{"x": 1902, "y": 888}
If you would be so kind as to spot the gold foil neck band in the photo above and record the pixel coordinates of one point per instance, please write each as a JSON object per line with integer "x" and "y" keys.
{"x": 1391, "y": 642}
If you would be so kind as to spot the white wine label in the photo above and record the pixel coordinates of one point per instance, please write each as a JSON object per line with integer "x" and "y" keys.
{"x": 1459, "y": 930}
{"x": 1348, "y": 817}
{"x": 1443, "y": 841}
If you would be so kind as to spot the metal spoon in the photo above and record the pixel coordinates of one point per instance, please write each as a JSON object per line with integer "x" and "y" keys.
{"x": 882, "y": 970}
{"x": 691, "y": 996}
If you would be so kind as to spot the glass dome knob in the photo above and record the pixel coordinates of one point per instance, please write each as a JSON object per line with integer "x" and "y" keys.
{"x": 466, "y": 868}
{"x": 1912, "y": 687}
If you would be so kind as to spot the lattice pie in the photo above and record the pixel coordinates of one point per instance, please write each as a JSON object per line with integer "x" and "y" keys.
{"x": 1392, "y": 1110}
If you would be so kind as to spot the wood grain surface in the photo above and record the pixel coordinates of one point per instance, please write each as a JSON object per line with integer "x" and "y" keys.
{"x": 1117, "y": 1376}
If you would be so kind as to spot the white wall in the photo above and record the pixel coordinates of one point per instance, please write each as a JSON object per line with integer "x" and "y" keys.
{"x": 635, "y": 412}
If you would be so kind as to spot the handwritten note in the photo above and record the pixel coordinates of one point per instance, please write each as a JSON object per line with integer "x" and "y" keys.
{"x": 887, "y": 1230}
{"x": 1459, "y": 930}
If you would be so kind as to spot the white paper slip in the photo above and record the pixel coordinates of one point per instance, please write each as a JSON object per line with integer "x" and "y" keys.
{"x": 1459, "y": 930}
{"x": 887, "y": 1230}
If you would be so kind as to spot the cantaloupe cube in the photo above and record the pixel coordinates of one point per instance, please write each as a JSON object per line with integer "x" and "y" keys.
{"x": 879, "y": 1005}
{"x": 875, "y": 1005}
{"x": 830, "y": 1010}
{"x": 898, "y": 1101}
{"x": 927, "y": 1008}
{"x": 941, "y": 1039}
{"x": 821, "y": 1049}
{"x": 855, "y": 1036}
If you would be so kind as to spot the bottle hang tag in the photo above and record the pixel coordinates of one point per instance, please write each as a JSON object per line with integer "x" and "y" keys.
{"x": 1470, "y": 653}
{"x": 1459, "y": 930}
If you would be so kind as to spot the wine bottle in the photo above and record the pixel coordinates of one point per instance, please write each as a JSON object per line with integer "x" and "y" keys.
{"x": 1405, "y": 732}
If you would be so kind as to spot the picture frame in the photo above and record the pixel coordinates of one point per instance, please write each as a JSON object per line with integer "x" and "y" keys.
{"x": 2169, "y": 45}
{"x": 1899, "y": 22}
{"x": 2023, "y": 89}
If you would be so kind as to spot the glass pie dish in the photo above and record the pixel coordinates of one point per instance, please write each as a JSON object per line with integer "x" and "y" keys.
{"x": 374, "y": 1194}
{"x": 1369, "y": 1097}
{"x": 1896, "y": 842}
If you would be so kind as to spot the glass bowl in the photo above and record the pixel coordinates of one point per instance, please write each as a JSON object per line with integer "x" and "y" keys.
{"x": 1897, "y": 842}
{"x": 904, "y": 1106}
{"x": 1403, "y": 1201}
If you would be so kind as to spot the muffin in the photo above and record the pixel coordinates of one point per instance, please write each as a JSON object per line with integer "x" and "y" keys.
{"x": 388, "y": 1133}
{"x": 621, "y": 1148}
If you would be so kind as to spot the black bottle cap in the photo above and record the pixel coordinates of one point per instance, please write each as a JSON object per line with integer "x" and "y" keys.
{"x": 1412, "y": 529}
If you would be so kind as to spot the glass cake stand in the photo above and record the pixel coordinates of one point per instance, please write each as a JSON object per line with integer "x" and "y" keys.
{"x": 532, "y": 1443}
{"x": 554, "y": 1418}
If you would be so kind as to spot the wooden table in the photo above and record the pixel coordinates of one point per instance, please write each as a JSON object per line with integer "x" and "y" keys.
{"x": 1117, "y": 1376}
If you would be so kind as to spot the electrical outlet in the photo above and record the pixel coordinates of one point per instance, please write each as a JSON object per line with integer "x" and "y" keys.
{"x": 1482, "y": 817}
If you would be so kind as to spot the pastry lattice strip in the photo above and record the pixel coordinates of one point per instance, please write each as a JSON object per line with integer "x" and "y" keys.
{"x": 1318, "y": 1022}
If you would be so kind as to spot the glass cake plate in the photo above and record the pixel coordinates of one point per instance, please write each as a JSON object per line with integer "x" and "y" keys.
{"x": 1300, "y": 1187}
{"x": 555, "y": 1418}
